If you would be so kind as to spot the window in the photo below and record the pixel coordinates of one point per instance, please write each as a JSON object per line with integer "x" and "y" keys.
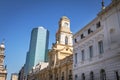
{"x": 102, "y": 74}
{"x": 75, "y": 58}
{"x": 91, "y": 51}
{"x": 91, "y": 75}
{"x": 82, "y": 36}
{"x": 89, "y": 31}
{"x": 100, "y": 46}
{"x": 83, "y": 55}
{"x": 70, "y": 74}
{"x": 76, "y": 78}
{"x": 62, "y": 75}
{"x": 66, "y": 40}
{"x": 83, "y": 76}
{"x": 52, "y": 63}
{"x": 51, "y": 77}
{"x": 75, "y": 40}
{"x": 117, "y": 75}
{"x": 98, "y": 24}
{"x": 56, "y": 76}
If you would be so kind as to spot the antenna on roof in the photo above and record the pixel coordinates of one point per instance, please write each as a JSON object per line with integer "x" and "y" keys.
{"x": 102, "y": 3}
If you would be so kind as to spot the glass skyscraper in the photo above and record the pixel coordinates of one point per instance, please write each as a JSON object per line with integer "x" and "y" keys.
{"x": 38, "y": 50}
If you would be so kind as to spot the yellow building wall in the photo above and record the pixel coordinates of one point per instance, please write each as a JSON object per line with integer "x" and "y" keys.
{"x": 2, "y": 77}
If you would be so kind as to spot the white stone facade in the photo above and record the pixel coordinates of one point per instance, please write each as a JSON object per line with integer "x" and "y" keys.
{"x": 97, "y": 47}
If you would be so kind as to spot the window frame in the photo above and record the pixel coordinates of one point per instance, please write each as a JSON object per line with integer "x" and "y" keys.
{"x": 98, "y": 24}
{"x": 91, "y": 51}
{"x": 117, "y": 75}
{"x": 83, "y": 55}
{"x": 100, "y": 47}
{"x": 91, "y": 75}
{"x": 102, "y": 74}
{"x": 76, "y": 54}
{"x": 66, "y": 40}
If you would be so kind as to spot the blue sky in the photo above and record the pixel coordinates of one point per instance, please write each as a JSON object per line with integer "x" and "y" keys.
{"x": 19, "y": 17}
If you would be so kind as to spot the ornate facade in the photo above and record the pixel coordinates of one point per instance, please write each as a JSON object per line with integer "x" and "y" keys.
{"x": 60, "y": 56}
{"x": 60, "y": 50}
{"x": 3, "y": 71}
{"x": 96, "y": 54}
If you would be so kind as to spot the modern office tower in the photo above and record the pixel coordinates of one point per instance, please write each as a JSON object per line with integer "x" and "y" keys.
{"x": 26, "y": 65}
{"x": 38, "y": 48}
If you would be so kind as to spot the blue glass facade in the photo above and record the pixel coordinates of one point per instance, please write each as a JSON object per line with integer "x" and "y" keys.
{"x": 26, "y": 64}
{"x": 38, "y": 49}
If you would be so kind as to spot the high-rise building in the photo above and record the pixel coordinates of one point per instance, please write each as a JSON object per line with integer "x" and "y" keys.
{"x": 26, "y": 64}
{"x": 38, "y": 48}
{"x": 3, "y": 71}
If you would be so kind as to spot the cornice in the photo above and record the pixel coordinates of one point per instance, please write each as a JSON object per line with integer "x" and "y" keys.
{"x": 66, "y": 32}
{"x": 89, "y": 36}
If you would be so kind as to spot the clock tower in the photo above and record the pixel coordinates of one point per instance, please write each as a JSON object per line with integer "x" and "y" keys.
{"x": 64, "y": 35}
{"x": 3, "y": 71}
{"x": 63, "y": 45}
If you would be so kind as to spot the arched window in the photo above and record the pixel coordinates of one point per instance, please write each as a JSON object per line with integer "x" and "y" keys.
{"x": 102, "y": 74}
{"x": 62, "y": 75}
{"x": 117, "y": 75}
{"x": 76, "y": 78}
{"x": 51, "y": 77}
{"x": 70, "y": 74}
{"x": 91, "y": 75}
{"x": 83, "y": 76}
{"x": 56, "y": 76}
{"x": 66, "y": 40}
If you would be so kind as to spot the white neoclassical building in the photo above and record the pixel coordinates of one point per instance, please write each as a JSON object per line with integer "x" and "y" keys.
{"x": 96, "y": 47}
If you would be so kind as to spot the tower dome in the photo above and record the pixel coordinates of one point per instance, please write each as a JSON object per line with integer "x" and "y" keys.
{"x": 64, "y": 17}
{"x": 2, "y": 45}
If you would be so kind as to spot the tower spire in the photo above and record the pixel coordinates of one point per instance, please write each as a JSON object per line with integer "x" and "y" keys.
{"x": 102, "y": 3}
{"x": 3, "y": 41}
